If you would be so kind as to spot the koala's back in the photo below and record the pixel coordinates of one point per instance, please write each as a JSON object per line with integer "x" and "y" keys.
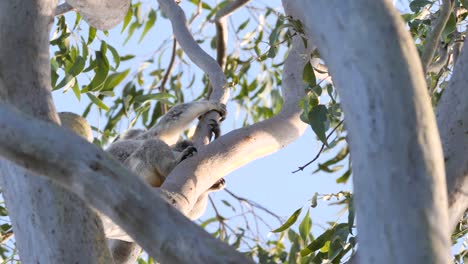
{"x": 122, "y": 149}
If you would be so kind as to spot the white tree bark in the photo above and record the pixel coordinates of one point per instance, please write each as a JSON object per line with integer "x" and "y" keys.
{"x": 452, "y": 118}
{"x": 398, "y": 170}
{"x": 50, "y": 224}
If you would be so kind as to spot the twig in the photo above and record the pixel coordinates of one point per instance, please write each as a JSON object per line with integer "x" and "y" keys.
{"x": 221, "y": 28}
{"x": 63, "y": 8}
{"x": 301, "y": 168}
{"x": 162, "y": 87}
{"x": 253, "y": 204}
{"x": 196, "y": 14}
{"x": 442, "y": 61}
{"x": 432, "y": 40}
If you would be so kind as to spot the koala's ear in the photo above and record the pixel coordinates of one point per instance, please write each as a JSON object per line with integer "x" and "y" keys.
{"x": 77, "y": 124}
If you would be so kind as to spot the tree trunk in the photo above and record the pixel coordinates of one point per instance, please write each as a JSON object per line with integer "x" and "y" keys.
{"x": 50, "y": 224}
{"x": 398, "y": 169}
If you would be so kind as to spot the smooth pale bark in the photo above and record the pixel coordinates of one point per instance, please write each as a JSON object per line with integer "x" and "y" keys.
{"x": 103, "y": 183}
{"x": 194, "y": 176}
{"x": 399, "y": 180}
{"x": 220, "y": 93}
{"x": 452, "y": 118}
{"x": 50, "y": 224}
{"x": 101, "y": 14}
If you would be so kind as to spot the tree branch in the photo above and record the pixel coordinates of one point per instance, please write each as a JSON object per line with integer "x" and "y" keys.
{"x": 204, "y": 61}
{"x": 114, "y": 190}
{"x": 198, "y": 56}
{"x": 239, "y": 147}
{"x": 396, "y": 150}
{"x": 433, "y": 39}
{"x": 452, "y": 119}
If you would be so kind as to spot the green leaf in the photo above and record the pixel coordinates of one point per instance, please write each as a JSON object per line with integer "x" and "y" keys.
{"x": 450, "y": 27}
{"x": 318, "y": 120}
{"x": 97, "y": 102}
{"x": 3, "y": 211}
{"x": 115, "y": 56}
{"x": 151, "y": 97}
{"x": 308, "y": 75}
{"x": 243, "y": 25}
{"x": 344, "y": 178}
{"x": 101, "y": 70}
{"x": 115, "y": 79}
{"x": 66, "y": 82}
{"x": 127, "y": 19}
{"x": 127, "y": 57}
{"x": 149, "y": 24}
{"x": 76, "y": 91}
{"x": 318, "y": 243}
{"x": 305, "y": 226}
{"x": 77, "y": 67}
{"x": 131, "y": 30}
{"x": 291, "y": 220}
{"x": 91, "y": 34}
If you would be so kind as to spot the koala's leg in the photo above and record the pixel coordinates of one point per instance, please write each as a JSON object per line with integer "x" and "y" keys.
{"x": 124, "y": 252}
{"x": 152, "y": 161}
{"x": 200, "y": 205}
{"x": 179, "y": 117}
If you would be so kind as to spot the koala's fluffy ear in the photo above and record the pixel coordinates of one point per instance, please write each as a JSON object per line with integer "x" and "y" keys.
{"x": 77, "y": 124}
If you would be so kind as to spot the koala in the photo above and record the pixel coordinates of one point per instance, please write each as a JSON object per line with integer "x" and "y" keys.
{"x": 153, "y": 154}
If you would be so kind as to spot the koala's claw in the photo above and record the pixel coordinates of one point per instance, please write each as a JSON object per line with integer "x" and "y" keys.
{"x": 222, "y": 111}
{"x": 219, "y": 185}
{"x": 215, "y": 128}
{"x": 188, "y": 152}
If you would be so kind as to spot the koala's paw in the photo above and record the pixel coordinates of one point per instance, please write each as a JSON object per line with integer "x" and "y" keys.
{"x": 215, "y": 128}
{"x": 217, "y": 186}
{"x": 221, "y": 109}
{"x": 188, "y": 152}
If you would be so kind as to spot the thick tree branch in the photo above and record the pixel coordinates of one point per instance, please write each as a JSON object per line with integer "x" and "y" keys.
{"x": 452, "y": 119}
{"x": 207, "y": 64}
{"x": 433, "y": 40}
{"x": 399, "y": 178}
{"x": 103, "y": 183}
{"x": 198, "y": 56}
{"x": 102, "y": 14}
{"x": 51, "y": 225}
{"x": 239, "y": 147}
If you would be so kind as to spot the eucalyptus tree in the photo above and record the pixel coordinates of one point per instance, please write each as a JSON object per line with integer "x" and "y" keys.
{"x": 389, "y": 87}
